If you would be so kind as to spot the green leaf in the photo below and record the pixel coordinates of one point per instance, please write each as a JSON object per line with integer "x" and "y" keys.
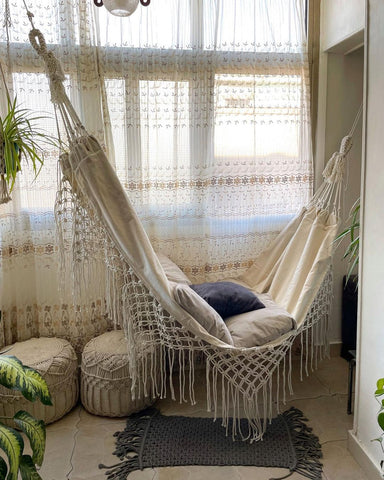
{"x": 35, "y": 431}
{"x": 39, "y": 384}
{"x": 380, "y": 392}
{"x": 23, "y": 140}
{"x": 27, "y": 469}
{"x": 3, "y": 468}
{"x": 12, "y": 444}
{"x": 380, "y": 383}
{"x": 380, "y": 420}
{"x": 352, "y": 251}
{"x": 380, "y": 440}
{"x": 14, "y": 375}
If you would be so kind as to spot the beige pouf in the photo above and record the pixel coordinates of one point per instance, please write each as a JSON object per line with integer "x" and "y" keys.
{"x": 56, "y": 361}
{"x": 105, "y": 382}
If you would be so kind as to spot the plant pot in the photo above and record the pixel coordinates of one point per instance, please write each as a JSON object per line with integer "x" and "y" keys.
{"x": 4, "y": 191}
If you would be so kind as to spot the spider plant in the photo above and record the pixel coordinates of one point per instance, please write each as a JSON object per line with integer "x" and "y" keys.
{"x": 20, "y": 139}
{"x": 352, "y": 233}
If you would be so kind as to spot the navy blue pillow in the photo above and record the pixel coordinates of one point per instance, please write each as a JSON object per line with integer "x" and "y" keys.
{"x": 228, "y": 298}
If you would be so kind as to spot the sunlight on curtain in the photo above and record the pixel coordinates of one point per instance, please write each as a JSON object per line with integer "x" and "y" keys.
{"x": 210, "y": 125}
{"x": 203, "y": 108}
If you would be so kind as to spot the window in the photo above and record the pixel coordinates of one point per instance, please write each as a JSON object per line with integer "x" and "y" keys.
{"x": 202, "y": 104}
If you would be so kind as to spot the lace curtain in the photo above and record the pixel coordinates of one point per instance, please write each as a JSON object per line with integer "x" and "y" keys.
{"x": 203, "y": 108}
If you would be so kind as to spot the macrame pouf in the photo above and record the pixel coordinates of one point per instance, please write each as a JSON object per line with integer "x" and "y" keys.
{"x": 56, "y": 361}
{"x": 105, "y": 380}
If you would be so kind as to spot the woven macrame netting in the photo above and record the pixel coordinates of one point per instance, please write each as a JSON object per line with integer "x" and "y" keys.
{"x": 161, "y": 351}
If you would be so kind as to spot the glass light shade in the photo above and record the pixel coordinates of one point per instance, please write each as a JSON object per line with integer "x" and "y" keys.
{"x": 121, "y": 8}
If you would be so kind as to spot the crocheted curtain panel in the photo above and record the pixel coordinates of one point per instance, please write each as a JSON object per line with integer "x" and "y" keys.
{"x": 202, "y": 108}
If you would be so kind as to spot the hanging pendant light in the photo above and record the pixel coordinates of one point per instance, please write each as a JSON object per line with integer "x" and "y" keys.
{"x": 121, "y": 8}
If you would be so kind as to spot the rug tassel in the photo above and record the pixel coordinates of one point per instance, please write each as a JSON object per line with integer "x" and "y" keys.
{"x": 307, "y": 446}
{"x": 129, "y": 444}
{"x": 120, "y": 471}
{"x": 285, "y": 476}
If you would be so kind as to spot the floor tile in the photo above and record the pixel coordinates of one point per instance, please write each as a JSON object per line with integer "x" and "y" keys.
{"x": 327, "y": 416}
{"x": 333, "y": 373}
{"x": 339, "y": 463}
{"x": 80, "y": 441}
{"x": 58, "y": 454}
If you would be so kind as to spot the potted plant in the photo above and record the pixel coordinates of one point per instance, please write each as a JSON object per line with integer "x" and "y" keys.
{"x": 20, "y": 139}
{"x": 352, "y": 233}
{"x": 16, "y": 376}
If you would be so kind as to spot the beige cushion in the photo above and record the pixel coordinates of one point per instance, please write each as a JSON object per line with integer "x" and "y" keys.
{"x": 56, "y": 361}
{"x": 171, "y": 270}
{"x": 201, "y": 312}
{"x": 105, "y": 378}
{"x": 260, "y": 326}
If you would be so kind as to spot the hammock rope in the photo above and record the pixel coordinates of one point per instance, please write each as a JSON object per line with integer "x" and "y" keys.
{"x": 107, "y": 240}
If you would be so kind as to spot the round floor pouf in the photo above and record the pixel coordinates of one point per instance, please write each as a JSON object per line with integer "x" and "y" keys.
{"x": 105, "y": 382}
{"x": 56, "y": 361}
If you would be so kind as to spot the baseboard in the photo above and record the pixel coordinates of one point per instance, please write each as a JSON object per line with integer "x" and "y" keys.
{"x": 335, "y": 349}
{"x": 367, "y": 464}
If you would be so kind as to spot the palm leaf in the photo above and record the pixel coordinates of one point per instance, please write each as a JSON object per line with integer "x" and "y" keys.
{"x": 12, "y": 444}
{"x": 353, "y": 249}
{"x": 35, "y": 431}
{"x": 27, "y": 469}
{"x": 14, "y": 375}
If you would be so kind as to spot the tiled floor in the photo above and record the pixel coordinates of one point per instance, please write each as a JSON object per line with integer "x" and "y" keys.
{"x": 80, "y": 441}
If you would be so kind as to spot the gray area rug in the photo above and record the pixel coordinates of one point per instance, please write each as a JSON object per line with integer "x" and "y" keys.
{"x": 153, "y": 440}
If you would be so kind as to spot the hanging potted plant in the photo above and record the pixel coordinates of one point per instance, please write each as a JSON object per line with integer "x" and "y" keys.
{"x": 21, "y": 140}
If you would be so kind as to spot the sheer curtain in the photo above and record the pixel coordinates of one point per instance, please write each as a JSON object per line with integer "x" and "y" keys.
{"x": 203, "y": 108}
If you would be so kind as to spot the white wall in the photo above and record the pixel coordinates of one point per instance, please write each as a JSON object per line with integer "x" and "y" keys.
{"x": 344, "y": 97}
{"x": 341, "y": 19}
{"x": 339, "y": 99}
{"x": 371, "y": 329}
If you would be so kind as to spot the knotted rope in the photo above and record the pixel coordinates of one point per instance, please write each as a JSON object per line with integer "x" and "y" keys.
{"x": 334, "y": 170}
{"x": 56, "y": 78}
{"x": 52, "y": 65}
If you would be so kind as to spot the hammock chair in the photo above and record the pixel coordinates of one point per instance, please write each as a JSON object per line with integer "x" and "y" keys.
{"x": 94, "y": 215}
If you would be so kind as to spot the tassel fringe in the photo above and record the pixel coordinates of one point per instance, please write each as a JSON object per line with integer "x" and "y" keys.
{"x": 129, "y": 445}
{"x": 306, "y": 445}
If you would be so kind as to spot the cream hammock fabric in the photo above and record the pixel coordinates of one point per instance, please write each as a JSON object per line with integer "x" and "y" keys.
{"x": 98, "y": 224}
